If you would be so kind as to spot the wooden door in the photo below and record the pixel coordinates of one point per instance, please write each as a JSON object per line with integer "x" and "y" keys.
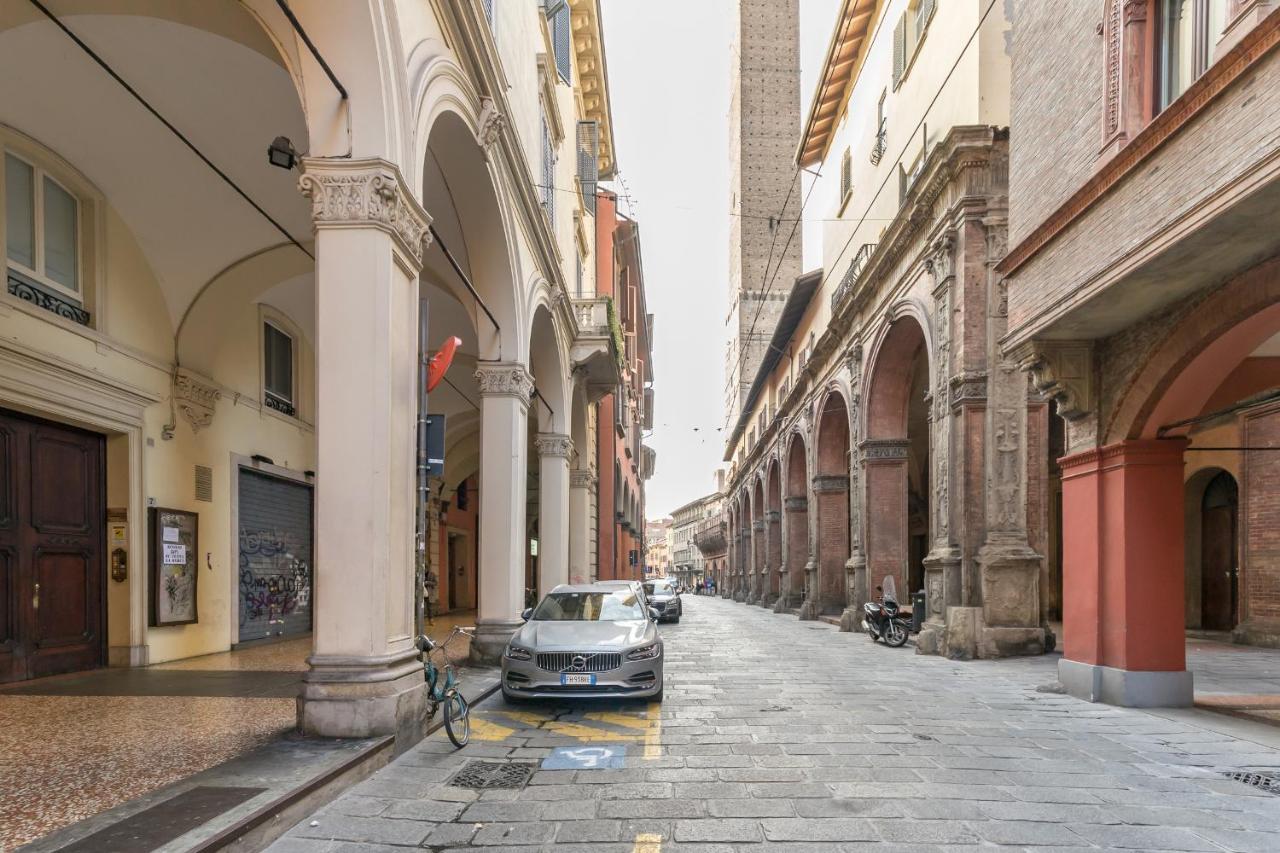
{"x": 51, "y": 549}
{"x": 1217, "y": 567}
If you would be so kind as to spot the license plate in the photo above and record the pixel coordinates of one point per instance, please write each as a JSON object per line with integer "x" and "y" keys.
{"x": 578, "y": 678}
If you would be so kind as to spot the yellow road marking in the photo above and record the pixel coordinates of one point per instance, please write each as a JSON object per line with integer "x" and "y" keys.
{"x": 651, "y": 738}
{"x": 624, "y": 720}
{"x": 587, "y": 733}
{"x": 525, "y": 717}
{"x": 485, "y": 730}
{"x": 648, "y": 843}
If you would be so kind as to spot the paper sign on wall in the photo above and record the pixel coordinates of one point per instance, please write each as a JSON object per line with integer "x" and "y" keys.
{"x": 175, "y": 555}
{"x": 171, "y": 534}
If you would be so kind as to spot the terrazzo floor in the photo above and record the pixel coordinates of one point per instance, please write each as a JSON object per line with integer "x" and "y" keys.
{"x": 75, "y": 745}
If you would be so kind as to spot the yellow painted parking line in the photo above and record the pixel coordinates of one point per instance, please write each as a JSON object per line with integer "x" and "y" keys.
{"x": 652, "y": 737}
{"x": 624, "y": 720}
{"x": 524, "y": 717}
{"x": 485, "y": 730}
{"x": 647, "y": 842}
{"x": 587, "y": 733}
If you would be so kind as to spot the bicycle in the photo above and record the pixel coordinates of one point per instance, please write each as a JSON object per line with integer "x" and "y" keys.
{"x": 444, "y": 691}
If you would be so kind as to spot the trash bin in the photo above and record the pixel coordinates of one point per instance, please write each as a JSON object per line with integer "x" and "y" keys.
{"x": 917, "y": 611}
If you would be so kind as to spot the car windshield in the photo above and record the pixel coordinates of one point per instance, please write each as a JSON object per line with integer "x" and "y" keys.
{"x": 658, "y": 588}
{"x": 619, "y": 605}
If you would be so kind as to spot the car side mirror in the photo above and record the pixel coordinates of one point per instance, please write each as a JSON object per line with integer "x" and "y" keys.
{"x": 653, "y": 614}
{"x": 527, "y": 614}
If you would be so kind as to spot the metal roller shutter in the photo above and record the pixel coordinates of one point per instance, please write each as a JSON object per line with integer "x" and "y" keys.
{"x": 275, "y": 557}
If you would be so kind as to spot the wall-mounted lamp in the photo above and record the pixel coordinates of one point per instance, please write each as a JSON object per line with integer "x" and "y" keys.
{"x": 281, "y": 153}
{"x": 262, "y": 460}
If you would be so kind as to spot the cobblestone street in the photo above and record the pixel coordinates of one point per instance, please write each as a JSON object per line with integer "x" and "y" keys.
{"x": 781, "y": 734}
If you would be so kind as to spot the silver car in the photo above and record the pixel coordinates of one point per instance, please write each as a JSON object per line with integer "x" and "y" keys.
{"x": 585, "y": 641}
{"x": 664, "y": 597}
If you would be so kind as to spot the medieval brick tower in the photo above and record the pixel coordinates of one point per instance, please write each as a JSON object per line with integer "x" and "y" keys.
{"x": 764, "y": 126}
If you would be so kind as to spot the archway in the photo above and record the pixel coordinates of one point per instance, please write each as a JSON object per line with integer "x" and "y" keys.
{"x": 796, "y": 507}
{"x": 897, "y": 455}
{"x": 773, "y": 535}
{"x": 831, "y": 491}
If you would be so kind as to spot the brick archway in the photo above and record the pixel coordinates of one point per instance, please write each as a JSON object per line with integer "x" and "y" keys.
{"x": 888, "y": 450}
{"x": 796, "y": 508}
{"x": 831, "y": 492}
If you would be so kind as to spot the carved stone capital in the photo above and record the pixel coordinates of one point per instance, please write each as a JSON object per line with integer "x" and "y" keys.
{"x": 490, "y": 124}
{"x": 554, "y": 444}
{"x": 884, "y": 449}
{"x": 795, "y": 503}
{"x": 772, "y": 516}
{"x": 1061, "y": 371}
{"x": 582, "y": 478}
{"x": 365, "y": 193}
{"x": 195, "y": 397}
{"x": 505, "y": 379}
{"x": 757, "y": 526}
{"x": 968, "y": 388}
{"x": 827, "y": 484}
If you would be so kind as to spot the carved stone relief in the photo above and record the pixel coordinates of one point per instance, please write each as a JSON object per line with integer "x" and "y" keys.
{"x": 353, "y": 193}
{"x": 195, "y": 398}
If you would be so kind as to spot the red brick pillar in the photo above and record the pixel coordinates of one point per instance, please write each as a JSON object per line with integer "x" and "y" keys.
{"x": 831, "y": 491}
{"x": 757, "y": 561}
{"x": 773, "y": 563}
{"x": 797, "y": 510}
{"x": 886, "y": 531}
{"x": 1123, "y": 575}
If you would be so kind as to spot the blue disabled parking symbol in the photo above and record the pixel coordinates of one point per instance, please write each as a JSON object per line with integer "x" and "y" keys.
{"x": 599, "y": 757}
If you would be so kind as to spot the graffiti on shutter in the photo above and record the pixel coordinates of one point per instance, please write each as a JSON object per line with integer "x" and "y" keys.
{"x": 276, "y": 569}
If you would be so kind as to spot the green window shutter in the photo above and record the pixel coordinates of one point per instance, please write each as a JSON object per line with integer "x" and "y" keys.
{"x": 899, "y": 50}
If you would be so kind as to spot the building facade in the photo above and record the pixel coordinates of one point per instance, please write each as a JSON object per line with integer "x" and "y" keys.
{"x": 1144, "y": 301}
{"x": 885, "y": 434}
{"x": 624, "y": 463}
{"x": 657, "y": 561}
{"x": 209, "y": 365}
{"x": 687, "y": 561}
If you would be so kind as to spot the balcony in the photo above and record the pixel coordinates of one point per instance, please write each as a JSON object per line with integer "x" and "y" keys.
{"x": 852, "y": 276}
{"x": 710, "y": 537}
{"x": 595, "y": 350}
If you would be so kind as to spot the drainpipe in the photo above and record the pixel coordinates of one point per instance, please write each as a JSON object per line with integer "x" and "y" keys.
{"x": 420, "y": 531}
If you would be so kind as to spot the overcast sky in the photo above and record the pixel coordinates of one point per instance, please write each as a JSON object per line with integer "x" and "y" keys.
{"x": 669, "y": 84}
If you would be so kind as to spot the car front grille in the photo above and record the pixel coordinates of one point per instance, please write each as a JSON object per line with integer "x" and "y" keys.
{"x": 591, "y": 662}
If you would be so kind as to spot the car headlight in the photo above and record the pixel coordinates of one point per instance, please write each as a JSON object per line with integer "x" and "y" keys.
{"x": 645, "y": 652}
{"x": 518, "y": 653}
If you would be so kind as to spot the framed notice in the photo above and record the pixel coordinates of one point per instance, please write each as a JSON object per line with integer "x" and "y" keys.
{"x": 172, "y": 554}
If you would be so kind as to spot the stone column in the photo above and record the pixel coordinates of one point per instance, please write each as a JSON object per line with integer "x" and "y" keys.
{"x": 756, "y": 571}
{"x": 1010, "y": 569}
{"x": 504, "y": 409}
{"x": 797, "y": 552}
{"x": 773, "y": 557}
{"x": 364, "y": 678}
{"x": 942, "y": 564}
{"x": 582, "y": 483}
{"x": 554, "y": 452}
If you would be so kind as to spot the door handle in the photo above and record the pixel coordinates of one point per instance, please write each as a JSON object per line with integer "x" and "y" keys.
{"x": 35, "y": 598}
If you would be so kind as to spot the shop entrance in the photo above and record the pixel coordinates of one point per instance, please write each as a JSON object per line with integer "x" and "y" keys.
{"x": 275, "y": 557}
{"x": 52, "y": 483}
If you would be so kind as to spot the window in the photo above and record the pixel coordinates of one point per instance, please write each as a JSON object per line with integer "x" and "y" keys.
{"x": 846, "y": 178}
{"x": 548, "y": 173}
{"x": 557, "y": 12}
{"x": 42, "y": 228}
{"x": 1188, "y": 31}
{"x": 588, "y": 162}
{"x": 908, "y": 34}
{"x": 277, "y": 369}
{"x": 877, "y": 148}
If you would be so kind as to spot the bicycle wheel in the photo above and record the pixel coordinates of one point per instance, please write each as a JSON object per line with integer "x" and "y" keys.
{"x": 894, "y": 633}
{"x": 457, "y": 718}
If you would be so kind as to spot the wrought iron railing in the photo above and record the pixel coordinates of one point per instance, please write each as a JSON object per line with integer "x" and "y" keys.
{"x": 28, "y": 291}
{"x": 280, "y": 404}
{"x": 877, "y": 147}
{"x": 852, "y": 275}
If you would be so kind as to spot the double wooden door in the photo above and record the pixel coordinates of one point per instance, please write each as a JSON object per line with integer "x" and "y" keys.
{"x": 52, "y": 565}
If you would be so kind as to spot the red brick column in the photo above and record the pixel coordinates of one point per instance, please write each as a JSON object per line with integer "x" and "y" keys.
{"x": 773, "y": 535}
{"x": 831, "y": 491}
{"x": 797, "y": 510}
{"x": 886, "y": 530}
{"x": 1123, "y": 575}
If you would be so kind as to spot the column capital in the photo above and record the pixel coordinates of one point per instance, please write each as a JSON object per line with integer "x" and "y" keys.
{"x": 828, "y": 484}
{"x": 582, "y": 478}
{"x": 366, "y": 193}
{"x": 505, "y": 379}
{"x": 554, "y": 444}
{"x": 795, "y": 503}
{"x": 1061, "y": 371}
{"x": 877, "y": 449}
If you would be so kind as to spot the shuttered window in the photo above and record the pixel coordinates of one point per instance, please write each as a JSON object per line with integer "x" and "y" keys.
{"x": 548, "y": 174}
{"x": 846, "y": 176}
{"x": 561, "y": 36}
{"x": 899, "y": 50}
{"x": 277, "y": 369}
{"x": 588, "y": 162}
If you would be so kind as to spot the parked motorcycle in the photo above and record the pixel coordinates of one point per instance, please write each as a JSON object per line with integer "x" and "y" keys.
{"x": 883, "y": 619}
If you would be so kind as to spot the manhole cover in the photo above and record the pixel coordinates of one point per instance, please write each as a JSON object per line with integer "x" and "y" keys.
{"x": 482, "y": 775}
{"x": 1268, "y": 782}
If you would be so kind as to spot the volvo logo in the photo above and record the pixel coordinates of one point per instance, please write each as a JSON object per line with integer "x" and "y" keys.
{"x": 578, "y": 663}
